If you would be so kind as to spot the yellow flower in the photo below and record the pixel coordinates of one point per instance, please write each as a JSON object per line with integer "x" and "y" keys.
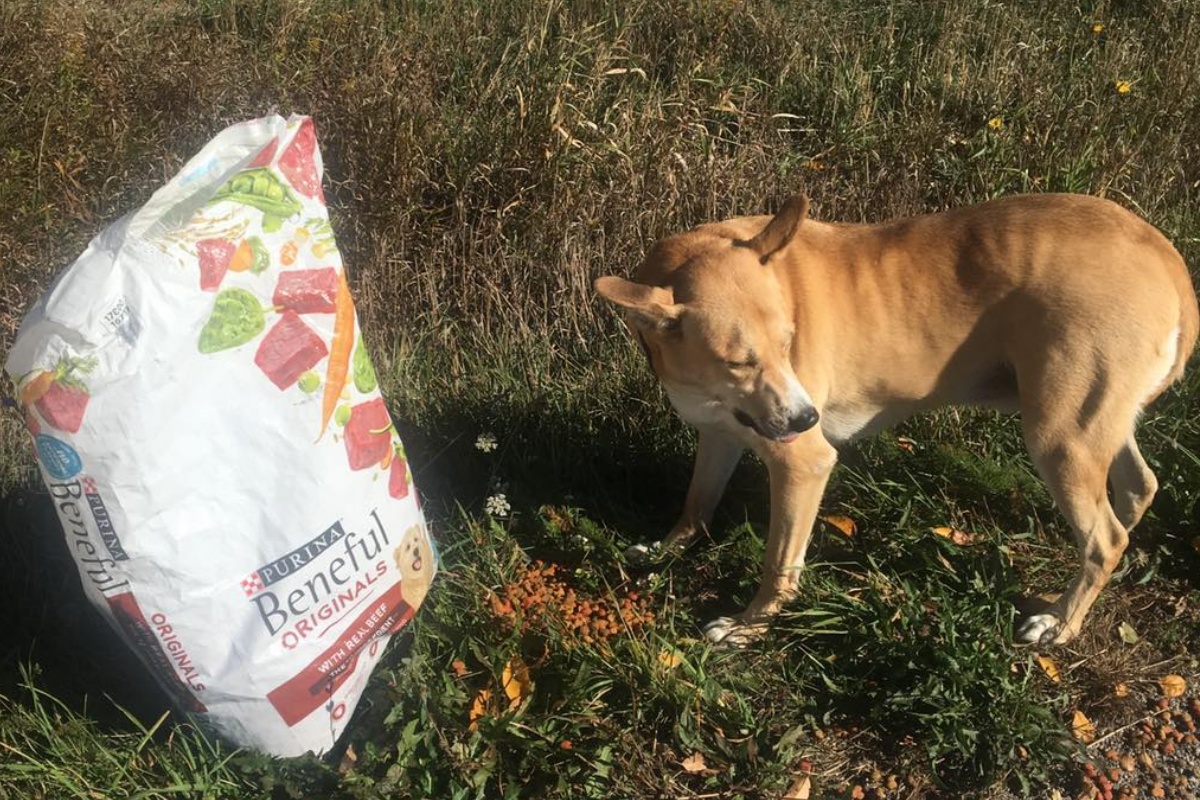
{"x": 996, "y": 123}
{"x": 1097, "y": 29}
{"x": 1123, "y": 87}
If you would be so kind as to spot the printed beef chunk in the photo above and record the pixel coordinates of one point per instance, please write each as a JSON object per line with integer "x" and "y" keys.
{"x": 289, "y": 349}
{"x": 368, "y": 434}
{"x": 307, "y": 291}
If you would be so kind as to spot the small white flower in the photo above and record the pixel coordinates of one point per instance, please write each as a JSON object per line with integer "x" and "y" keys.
{"x": 486, "y": 443}
{"x": 497, "y": 506}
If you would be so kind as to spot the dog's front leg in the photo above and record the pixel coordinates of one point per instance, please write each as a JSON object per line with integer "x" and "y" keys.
{"x": 798, "y": 474}
{"x": 717, "y": 455}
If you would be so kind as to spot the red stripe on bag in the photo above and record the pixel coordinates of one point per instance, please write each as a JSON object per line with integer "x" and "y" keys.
{"x": 315, "y": 684}
{"x": 129, "y": 615}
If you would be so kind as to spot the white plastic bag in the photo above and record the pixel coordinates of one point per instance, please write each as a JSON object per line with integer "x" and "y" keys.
{"x": 209, "y": 426}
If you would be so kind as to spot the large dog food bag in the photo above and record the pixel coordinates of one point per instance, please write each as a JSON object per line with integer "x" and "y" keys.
{"x": 209, "y": 426}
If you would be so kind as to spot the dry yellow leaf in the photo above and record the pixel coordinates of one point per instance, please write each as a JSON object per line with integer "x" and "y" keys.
{"x": 800, "y": 789}
{"x": 479, "y": 707}
{"x": 670, "y": 659}
{"x": 1173, "y": 686}
{"x": 517, "y": 683}
{"x": 843, "y": 523}
{"x": 1083, "y": 728}
{"x": 1121, "y": 690}
{"x": 1050, "y": 668}
{"x": 960, "y": 538}
{"x": 694, "y": 763}
{"x": 349, "y": 759}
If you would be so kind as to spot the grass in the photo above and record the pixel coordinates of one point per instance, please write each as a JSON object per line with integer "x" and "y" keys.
{"x": 485, "y": 161}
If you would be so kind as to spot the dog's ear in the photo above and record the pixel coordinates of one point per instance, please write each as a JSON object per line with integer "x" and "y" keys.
{"x": 781, "y": 228}
{"x": 647, "y": 306}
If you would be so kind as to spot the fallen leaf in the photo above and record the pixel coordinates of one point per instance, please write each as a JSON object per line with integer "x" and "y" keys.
{"x": 1050, "y": 668}
{"x": 960, "y": 538}
{"x": 842, "y": 523}
{"x": 694, "y": 763}
{"x": 479, "y": 708}
{"x": 1083, "y": 728}
{"x": 1121, "y": 690}
{"x": 1128, "y": 634}
{"x": 349, "y": 758}
{"x": 800, "y": 789}
{"x": 1173, "y": 686}
{"x": 517, "y": 683}
{"x": 906, "y": 444}
{"x": 670, "y": 659}
{"x": 459, "y": 667}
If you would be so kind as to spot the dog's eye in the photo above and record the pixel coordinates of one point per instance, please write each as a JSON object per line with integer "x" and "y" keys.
{"x": 749, "y": 363}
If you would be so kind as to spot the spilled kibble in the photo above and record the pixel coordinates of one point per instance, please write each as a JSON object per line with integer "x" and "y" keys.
{"x": 542, "y": 597}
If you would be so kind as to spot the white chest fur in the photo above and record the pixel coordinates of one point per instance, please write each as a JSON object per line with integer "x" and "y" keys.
{"x": 842, "y": 424}
{"x": 696, "y": 408}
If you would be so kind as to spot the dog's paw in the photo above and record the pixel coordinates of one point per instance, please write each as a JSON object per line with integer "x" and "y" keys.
{"x": 732, "y": 632}
{"x": 1042, "y": 629}
{"x": 644, "y": 554}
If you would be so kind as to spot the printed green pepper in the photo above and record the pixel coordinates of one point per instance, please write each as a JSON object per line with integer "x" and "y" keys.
{"x": 237, "y": 317}
{"x": 262, "y": 189}
{"x": 364, "y": 371}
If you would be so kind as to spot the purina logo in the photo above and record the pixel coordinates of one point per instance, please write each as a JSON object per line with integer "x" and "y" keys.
{"x": 293, "y": 562}
{"x": 253, "y": 585}
{"x": 326, "y": 578}
{"x": 103, "y": 522}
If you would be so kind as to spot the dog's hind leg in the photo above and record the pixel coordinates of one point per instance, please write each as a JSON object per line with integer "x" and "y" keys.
{"x": 717, "y": 455}
{"x": 1077, "y": 415}
{"x": 1133, "y": 484}
{"x": 1075, "y": 475}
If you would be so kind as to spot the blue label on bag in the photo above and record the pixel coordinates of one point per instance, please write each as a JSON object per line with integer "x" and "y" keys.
{"x": 58, "y": 457}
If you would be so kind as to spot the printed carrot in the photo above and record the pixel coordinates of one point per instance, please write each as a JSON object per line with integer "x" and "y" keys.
{"x": 339, "y": 352}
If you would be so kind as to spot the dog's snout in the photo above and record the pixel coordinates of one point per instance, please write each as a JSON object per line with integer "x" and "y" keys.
{"x": 807, "y": 418}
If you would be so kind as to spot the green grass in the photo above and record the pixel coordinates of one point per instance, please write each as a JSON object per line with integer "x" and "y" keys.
{"x": 486, "y": 161}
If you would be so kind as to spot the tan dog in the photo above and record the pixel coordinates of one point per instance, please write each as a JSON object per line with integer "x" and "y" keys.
{"x": 1066, "y": 308}
{"x": 414, "y": 559}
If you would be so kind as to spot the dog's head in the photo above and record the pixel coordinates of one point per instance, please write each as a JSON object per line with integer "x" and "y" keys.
{"x": 717, "y": 326}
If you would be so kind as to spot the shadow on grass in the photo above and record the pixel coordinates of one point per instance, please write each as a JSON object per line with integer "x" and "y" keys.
{"x": 625, "y": 468}
{"x": 47, "y": 623}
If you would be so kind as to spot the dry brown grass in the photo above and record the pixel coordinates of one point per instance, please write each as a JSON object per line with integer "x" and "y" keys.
{"x": 486, "y": 160}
